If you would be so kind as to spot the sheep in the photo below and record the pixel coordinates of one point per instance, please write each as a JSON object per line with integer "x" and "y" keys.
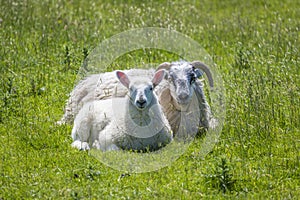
{"x": 97, "y": 87}
{"x": 175, "y": 94}
{"x": 185, "y": 96}
{"x": 134, "y": 122}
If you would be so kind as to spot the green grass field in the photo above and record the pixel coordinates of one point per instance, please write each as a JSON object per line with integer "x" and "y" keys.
{"x": 256, "y": 47}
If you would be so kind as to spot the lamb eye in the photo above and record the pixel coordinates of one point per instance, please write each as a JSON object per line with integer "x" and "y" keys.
{"x": 131, "y": 89}
{"x": 151, "y": 88}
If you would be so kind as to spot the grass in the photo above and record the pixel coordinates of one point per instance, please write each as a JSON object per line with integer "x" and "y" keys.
{"x": 255, "y": 45}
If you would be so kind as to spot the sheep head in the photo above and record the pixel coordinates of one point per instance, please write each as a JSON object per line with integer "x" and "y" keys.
{"x": 182, "y": 76}
{"x": 140, "y": 88}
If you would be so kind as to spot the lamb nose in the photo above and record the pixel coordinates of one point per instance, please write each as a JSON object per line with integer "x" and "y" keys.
{"x": 141, "y": 101}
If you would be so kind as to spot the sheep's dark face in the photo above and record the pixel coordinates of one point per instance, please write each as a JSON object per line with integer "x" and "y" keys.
{"x": 141, "y": 95}
{"x": 182, "y": 77}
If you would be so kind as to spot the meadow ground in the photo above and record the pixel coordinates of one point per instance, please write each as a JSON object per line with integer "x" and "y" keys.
{"x": 256, "y": 47}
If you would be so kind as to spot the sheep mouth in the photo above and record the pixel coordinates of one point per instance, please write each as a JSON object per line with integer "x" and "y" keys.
{"x": 141, "y": 105}
{"x": 183, "y": 101}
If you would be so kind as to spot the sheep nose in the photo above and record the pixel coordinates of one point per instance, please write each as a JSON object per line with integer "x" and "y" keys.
{"x": 183, "y": 95}
{"x": 141, "y": 100}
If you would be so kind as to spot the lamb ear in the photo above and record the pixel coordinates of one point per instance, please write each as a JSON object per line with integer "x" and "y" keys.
{"x": 158, "y": 77}
{"x": 123, "y": 78}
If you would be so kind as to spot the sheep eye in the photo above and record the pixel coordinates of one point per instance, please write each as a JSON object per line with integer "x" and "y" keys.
{"x": 131, "y": 89}
{"x": 151, "y": 88}
{"x": 193, "y": 80}
{"x": 170, "y": 78}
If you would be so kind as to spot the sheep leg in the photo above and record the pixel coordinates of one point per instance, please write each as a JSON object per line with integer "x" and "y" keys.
{"x": 81, "y": 130}
{"x": 105, "y": 140}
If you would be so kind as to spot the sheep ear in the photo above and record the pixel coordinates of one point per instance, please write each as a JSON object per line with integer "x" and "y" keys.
{"x": 123, "y": 78}
{"x": 158, "y": 77}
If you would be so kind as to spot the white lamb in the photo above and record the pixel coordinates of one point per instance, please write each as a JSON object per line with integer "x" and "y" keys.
{"x": 98, "y": 87}
{"x": 135, "y": 122}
